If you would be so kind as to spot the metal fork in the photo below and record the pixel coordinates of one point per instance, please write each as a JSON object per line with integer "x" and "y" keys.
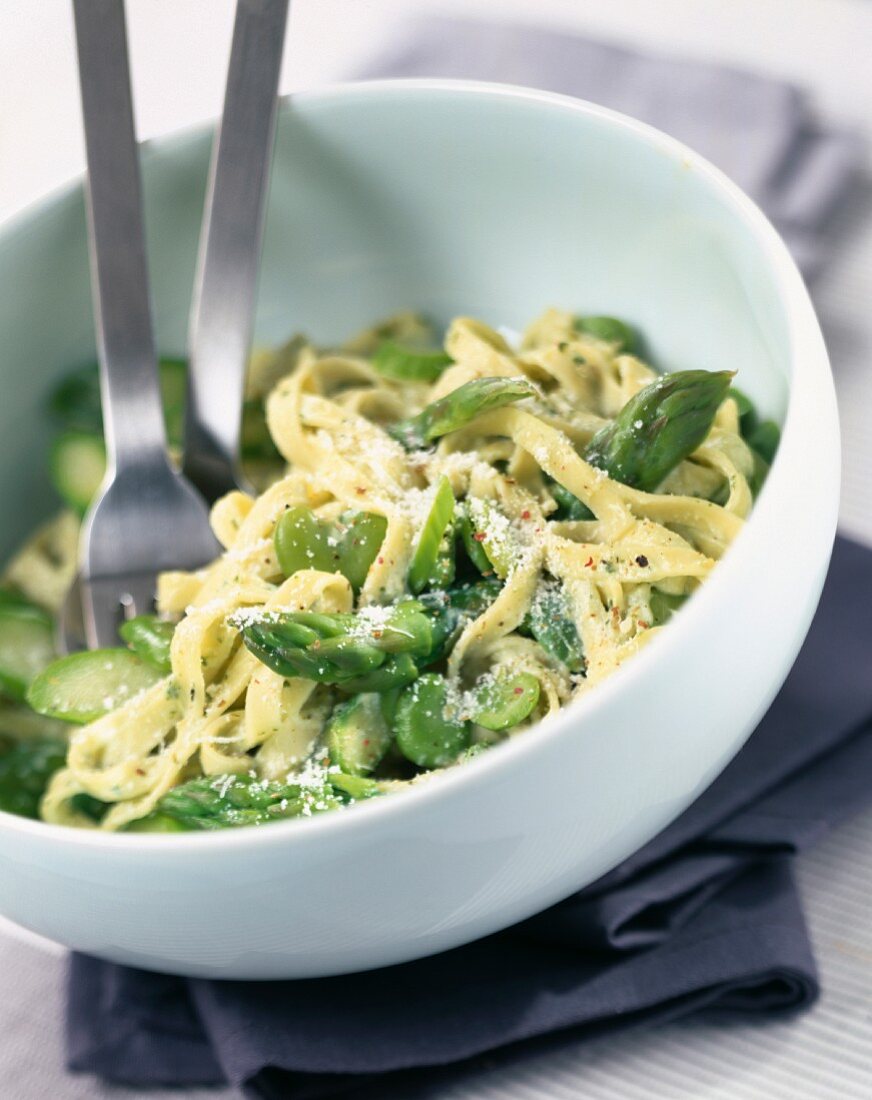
{"x": 147, "y": 518}
{"x": 230, "y": 244}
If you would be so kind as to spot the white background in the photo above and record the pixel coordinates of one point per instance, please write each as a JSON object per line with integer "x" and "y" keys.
{"x": 179, "y": 51}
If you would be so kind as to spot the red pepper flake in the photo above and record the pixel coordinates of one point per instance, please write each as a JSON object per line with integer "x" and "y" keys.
{"x": 519, "y": 691}
{"x": 377, "y": 633}
{"x": 641, "y": 561}
{"x": 525, "y": 514}
{"x": 642, "y": 624}
{"x": 140, "y": 771}
{"x": 360, "y": 490}
{"x": 589, "y": 563}
{"x": 365, "y": 742}
{"x": 381, "y": 561}
{"x": 480, "y": 536}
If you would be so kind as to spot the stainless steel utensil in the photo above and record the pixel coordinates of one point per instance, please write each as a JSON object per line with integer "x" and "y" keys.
{"x": 146, "y": 518}
{"x": 230, "y": 245}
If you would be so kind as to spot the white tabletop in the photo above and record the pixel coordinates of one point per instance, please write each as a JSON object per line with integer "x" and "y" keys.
{"x": 825, "y": 1054}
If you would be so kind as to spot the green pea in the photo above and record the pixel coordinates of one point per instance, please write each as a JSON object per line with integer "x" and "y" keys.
{"x": 362, "y": 534}
{"x": 357, "y": 735}
{"x": 150, "y": 638}
{"x": 427, "y": 734}
{"x": 504, "y": 701}
{"x": 302, "y": 542}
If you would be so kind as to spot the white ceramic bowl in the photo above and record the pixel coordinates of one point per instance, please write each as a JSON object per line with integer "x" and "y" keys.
{"x": 496, "y": 202}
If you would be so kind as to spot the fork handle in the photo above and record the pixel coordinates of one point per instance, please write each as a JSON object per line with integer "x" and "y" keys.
{"x": 132, "y": 411}
{"x": 230, "y": 245}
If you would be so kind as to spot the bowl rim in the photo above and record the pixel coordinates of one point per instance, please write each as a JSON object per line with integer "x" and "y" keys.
{"x": 809, "y": 356}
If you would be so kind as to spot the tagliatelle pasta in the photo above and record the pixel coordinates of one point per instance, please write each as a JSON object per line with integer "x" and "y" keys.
{"x": 558, "y": 561}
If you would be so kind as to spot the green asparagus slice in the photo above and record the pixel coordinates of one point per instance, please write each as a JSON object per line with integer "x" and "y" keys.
{"x": 227, "y": 801}
{"x": 77, "y": 465}
{"x": 611, "y": 329}
{"x": 82, "y": 687}
{"x": 458, "y": 408}
{"x": 26, "y": 647}
{"x": 25, "y": 770}
{"x": 659, "y": 427}
{"x": 404, "y": 364}
{"x": 150, "y": 638}
{"x": 357, "y": 735}
{"x": 550, "y": 623}
{"x": 474, "y": 549}
{"x": 426, "y": 555}
{"x": 504, "y": 701}
{"x": 427, "y": 733}
{"x": 75, "y": 401}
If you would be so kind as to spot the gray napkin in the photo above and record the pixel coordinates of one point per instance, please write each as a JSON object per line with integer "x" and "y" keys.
{"x": 761, "y": 132}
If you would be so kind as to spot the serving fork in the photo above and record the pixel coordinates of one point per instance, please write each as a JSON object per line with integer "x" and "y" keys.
{"x": 149, "y": 518}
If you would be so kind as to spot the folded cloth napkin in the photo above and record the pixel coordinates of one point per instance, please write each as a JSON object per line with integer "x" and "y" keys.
{"x": 761, "y": 132}
{"x": 703, "y": 918}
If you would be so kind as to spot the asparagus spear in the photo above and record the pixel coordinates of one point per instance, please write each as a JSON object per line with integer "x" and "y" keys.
{"x": 611, "y": 329}
{"x": 458, "y": 408}
{"x": 217, "y": 802}
{"x": 373, "y": 650}
{"x": 367, "y": 651}
{"x": 659, "y": 427}
{"x": 409, "y": 364}
{"x": 227, "y": 801}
